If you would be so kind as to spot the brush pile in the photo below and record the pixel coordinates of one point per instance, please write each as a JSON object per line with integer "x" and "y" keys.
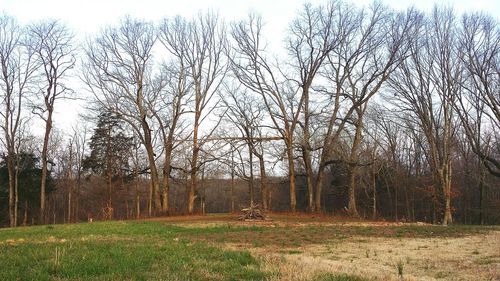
{"x": 252, "y": 213}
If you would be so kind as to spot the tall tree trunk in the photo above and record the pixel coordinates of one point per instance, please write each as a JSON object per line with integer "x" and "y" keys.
{"x": 329, "y": 138}
{"x": 310, "y": 188}
{"x": 191, "y": 193}
{"x": 353, "y": 165}
{"x": 150, "y": 201}
{"x": 137, "y": 202}
{"x": 109, "y": 207}
{"x": 232, "y": 181}
{"x": 165, "y": 208}
{"x": 306, "y": 149}
{"x": 446, "y": 185}
{"x": 166, "y": 169}
{"x": 291, "y": 175}
{"x": 12, "y": 195}
{"x": 48, "y": 129}
{"x": 70, "y": 206}
{"x": 155, "y": 182}
{"x": 70, "y": 183}
{"x": 374, "y": 186}
{"x": 319, "y": 185}
{"x": 16, "y": 199}
{"x": 77, "y": 199}
{"x": 263, "y": 184}
{"x": 250, "y": 181}
{"x": 481, "y": 190}
{"x": 351, "y": 207}
{"x": 407, "y": 203}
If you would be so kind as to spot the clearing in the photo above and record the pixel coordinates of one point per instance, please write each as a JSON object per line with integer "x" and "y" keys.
{"x": 219, "y": 247}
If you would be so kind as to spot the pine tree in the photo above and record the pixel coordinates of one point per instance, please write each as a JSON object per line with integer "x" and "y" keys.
{"x": 110, "y": 147}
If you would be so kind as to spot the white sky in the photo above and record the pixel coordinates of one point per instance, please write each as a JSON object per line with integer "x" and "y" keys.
{"x": 86, "y": 17}
{"x": 89, "y": 15}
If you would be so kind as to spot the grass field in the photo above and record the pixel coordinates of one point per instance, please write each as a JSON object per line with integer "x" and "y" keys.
{"x": 218, "y": 247}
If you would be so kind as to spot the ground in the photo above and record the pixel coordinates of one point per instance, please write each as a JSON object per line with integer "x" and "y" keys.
{"x": 219, "y": 247}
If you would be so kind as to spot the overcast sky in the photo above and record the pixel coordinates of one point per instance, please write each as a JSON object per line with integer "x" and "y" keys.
{"x": 87, "y": 17}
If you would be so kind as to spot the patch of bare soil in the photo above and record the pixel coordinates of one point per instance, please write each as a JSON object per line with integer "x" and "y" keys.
{"x": 475, "y": 257}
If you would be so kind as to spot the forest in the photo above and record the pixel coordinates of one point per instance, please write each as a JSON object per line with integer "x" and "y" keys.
{"x": 366, "y": 112}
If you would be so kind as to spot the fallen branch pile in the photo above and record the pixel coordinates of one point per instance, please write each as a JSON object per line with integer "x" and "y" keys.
{"x": 252, "y": 213}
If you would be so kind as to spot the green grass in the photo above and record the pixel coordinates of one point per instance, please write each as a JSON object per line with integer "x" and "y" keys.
{"x": 288, "y": 236}
{"x": 119, "y": 251}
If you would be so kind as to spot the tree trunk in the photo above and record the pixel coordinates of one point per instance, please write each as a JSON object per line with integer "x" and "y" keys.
{"x": 351, "y": 207}
{"x": 191, "y": 193}
{"x": 16, "y": 199}
{"x": 250, "y": 181}
{"x": 319, "y": 185}
{"x": 10, "y": 170}
{"x": 306, "y": 153}
{"x": 407, "y": 202}
{"x": 481, "y": 190}
{"x": 374, "y": 186}
{"x": 150, "y": 201}
{"x": 109, "y": 207}
{"x": 291, "y": 175}
{"x": 446, "y": 184}
{"x": 155, "y": 182}
{"x": 48, "y": 129}
{"x": 166, "y": 171}
{"x": 310, "y": 189}
{"x": 353, "y": 159}
{"x": 191, "y": 196}
{"x": 232, "y": 181}
{"x": 77, "y": 199}
{"x": 69, "y": 205}
{"x": 165, "y": 208}
{"x": 137, "y": 204}
{"x": 263, "y": 184}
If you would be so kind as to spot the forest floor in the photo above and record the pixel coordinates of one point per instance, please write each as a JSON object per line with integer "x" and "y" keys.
{"x": 219, "y": 247}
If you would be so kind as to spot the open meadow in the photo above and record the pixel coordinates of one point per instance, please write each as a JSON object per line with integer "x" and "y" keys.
{"x": 219, "y": 247}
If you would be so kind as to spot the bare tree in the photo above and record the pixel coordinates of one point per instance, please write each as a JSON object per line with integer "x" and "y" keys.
{"x": 17, "y": 66}
{"x": 479, "y": 104}
{"x": 79, "y": 141}
{"x": 427, "y": 84}
{"x": 197, "y": 47}
{"x": 312, "y": 37}
{"x": 173, "y": 88}
{"x": 254, "y": 70}
{"x": 117, "y": 69}
{"x": 372, "y": 45}
{"x": 246, "y": 113}
{"x": 55, "y": 52}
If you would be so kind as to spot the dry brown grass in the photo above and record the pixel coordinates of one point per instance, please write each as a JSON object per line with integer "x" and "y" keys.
{"x": 465, "y": 258}
{"x": 302, "y": 246}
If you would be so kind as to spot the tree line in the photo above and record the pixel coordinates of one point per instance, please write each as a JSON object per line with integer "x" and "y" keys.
{"x": 395, "y": 112}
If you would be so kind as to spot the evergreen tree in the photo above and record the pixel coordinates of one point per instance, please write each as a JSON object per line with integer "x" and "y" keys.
{"x": 110, "y": 147}
{"x": 28, "y": 183}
